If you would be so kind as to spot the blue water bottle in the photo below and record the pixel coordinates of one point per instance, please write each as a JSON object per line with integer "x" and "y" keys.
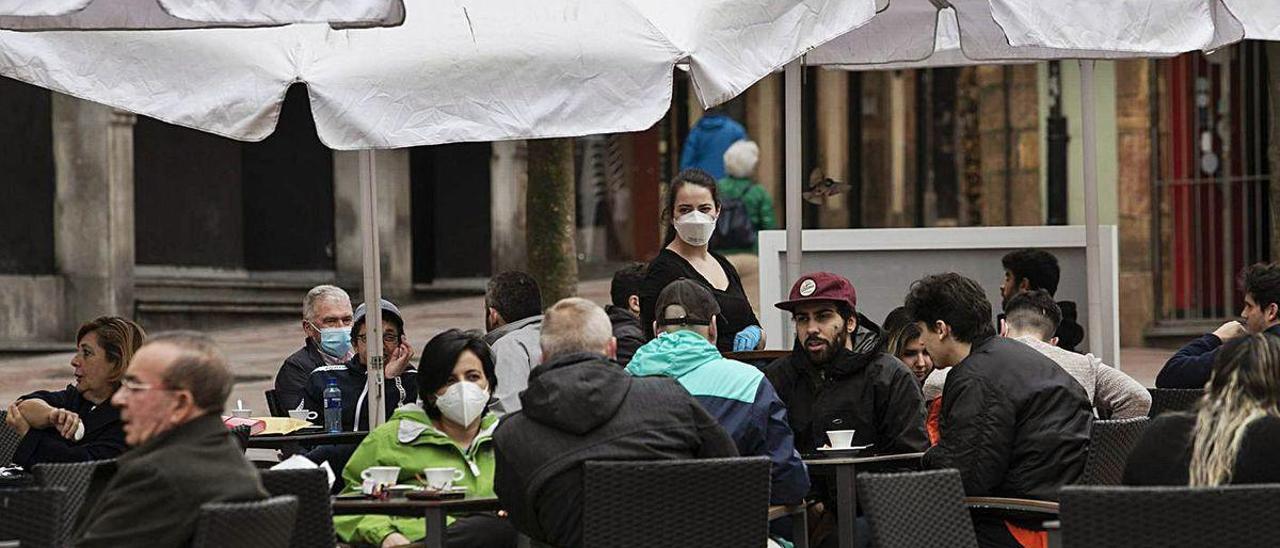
{"x": 332, "y": 407}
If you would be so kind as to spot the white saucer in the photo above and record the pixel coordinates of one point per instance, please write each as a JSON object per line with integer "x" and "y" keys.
{"x": 854, "y": 448}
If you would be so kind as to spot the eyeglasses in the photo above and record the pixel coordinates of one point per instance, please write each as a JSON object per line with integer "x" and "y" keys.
{"x": 389, "y": 338}
{"x": 135, "y": 386}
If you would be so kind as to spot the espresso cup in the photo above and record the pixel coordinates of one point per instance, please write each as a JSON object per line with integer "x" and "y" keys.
{"x": 385, "y": 475}
{"x": 303, "y": 414}
{"x": 441, "y": 479}
{"x": 840, "y": 439}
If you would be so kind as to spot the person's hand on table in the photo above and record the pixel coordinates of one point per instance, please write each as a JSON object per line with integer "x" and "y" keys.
{"x": 1230, "y": 330}
{"x": 395, "y": 539}
{"x": 16, "y": 421}
{"x": 747, "y": 339}
{"x": 67, "y": 422}
{"x": 398, "y": 361}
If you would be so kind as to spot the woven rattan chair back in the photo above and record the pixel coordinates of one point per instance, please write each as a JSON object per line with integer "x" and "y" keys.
{"x": 1109, "y": 448}
{"x": 9, "y": 439}
{"x": 1166, "y": 400}
{"x": 916, "y": 510}
{"x": 31, "y": 515}
{"x": 259, "y": 524}
{"x": 1239, "y": 516}
{"x": 75, "y": 478}
{"x": 314, "y": 524}
{"x": 704, "y": 502}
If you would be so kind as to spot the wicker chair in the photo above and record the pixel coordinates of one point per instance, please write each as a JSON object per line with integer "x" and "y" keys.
{"x": 1165, "y": 400}
{"x": 704, "y": 502}
{"x": 1109, "y": 449}
{"x": 1239, "y": 516}
{"x": 916, "y": 509}
{"x": 31, "y": 515}
{"x": 259, "y": 524}
{"x": 241, "y": 434}
{"x": 314, "y": 525}
{"x": 9, "y": 439}
{"x": 75, "y": 478}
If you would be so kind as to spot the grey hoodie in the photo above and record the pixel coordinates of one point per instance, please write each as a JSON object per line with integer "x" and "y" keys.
{"x": 516, "y": 351}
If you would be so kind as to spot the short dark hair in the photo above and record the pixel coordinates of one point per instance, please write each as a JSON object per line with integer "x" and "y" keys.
{"x": 1262, "y": 281}
{"x": 1033, "y": 310}
{"x": 954, "y": 299}
{"x": 1037, "y": 266}
{"x": 200, "y": 368}
{"x": 626, "y": 282}
{"x": 515, "y": 295}
{"x": 440, "y": 356}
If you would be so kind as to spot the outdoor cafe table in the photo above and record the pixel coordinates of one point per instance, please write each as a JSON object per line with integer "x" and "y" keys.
{"x": 846, "y": 487}
{"x": 281, "y": 441}
{"x": 434, "y": 510}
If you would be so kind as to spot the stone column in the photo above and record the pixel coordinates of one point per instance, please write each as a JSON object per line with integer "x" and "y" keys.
{"x": 93, "y": 208}
{"x": 833, "y": 142}
{"x": 1133, "y": 124}
{"x": 395, "y": 227}
{"x": 764, "y": 125}
{"x": 509, "y": 173}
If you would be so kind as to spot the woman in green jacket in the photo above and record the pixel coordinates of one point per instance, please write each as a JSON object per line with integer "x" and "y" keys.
{"x": 448, "y": 429}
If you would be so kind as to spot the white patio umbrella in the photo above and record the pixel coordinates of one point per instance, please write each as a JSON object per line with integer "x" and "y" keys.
{"x": 41, "y": 15}
{"x": 469, "y": 70}
{"x": 919, "y": 34}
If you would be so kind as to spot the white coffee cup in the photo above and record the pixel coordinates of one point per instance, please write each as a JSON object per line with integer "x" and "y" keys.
{"x": 441, "y": 479}
{"x": 241, "y": 413}
{"x": 840, "y": 439}
{"x": 303, "y": 414}
{"x": 384, "y": 475}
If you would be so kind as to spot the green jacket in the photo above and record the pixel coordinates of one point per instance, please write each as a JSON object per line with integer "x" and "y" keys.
{"x": 410, "y": 441}
{"x": 757, "y": 201}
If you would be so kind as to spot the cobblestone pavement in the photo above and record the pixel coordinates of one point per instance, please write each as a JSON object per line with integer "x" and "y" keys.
{"x": 256, "y": 351}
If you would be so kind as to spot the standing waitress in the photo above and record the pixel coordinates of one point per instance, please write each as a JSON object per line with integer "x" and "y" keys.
{"x": 691, "y": 211}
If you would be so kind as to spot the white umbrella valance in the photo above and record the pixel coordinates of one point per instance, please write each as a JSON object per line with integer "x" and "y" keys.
{"x": 46, "y": 15}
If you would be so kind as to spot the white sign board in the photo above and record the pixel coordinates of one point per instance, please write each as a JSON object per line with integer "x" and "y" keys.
{"x": 882, "y": 264}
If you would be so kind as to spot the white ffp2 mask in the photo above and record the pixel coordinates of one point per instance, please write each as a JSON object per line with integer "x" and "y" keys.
{"x": 463, "y": 402}
{"x": 695, "y": 228}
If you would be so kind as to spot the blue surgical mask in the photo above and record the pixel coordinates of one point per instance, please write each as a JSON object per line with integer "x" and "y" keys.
{"x": 335, "y": 341}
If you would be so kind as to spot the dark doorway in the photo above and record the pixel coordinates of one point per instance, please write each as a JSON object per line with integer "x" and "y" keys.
{"x": 288, "y": 194}
{"x": 26, "y": 137}
{"x": 451, "y": 216}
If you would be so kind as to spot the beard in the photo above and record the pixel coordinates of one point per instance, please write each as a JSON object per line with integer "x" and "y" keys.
{"x": 829, "y": 348}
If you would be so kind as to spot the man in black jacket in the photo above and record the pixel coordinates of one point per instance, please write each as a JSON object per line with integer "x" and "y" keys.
{"x": 1013, "y": 422}
{"x": 624, "y": 313}
{"x": 1191, "y": 365}
{"x": 581, "y": 406}
{"x": 326, "y": 321}
{"x": 836, "y": 377}
{"x": 182, "y": 456}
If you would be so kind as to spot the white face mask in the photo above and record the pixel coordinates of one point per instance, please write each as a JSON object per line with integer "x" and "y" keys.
{"x": 695, "y": 228}
{"x": 463, "y": 402}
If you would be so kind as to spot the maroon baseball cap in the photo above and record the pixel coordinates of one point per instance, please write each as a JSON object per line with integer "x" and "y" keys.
{"x": 820, "y": 286}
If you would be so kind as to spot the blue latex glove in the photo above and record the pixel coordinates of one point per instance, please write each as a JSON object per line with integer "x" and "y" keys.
{"x": 747, "y": 339}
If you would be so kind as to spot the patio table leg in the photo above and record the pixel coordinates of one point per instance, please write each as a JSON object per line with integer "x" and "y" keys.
{"x": 800, "y": 528}
{"x": 435, "y": 528}
{"x": 847, "y": 501}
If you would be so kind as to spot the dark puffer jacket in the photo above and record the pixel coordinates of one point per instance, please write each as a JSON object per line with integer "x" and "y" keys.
{"x": 582, "y": 407}
{"x": 1013, "y": 422}
{"x": 862, "y": 389}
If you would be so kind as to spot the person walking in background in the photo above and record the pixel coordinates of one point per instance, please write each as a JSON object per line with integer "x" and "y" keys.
{"x": 624, "y": 312}
{"x": 79, "y": 423}
{"x": 1233, "y": 436}
{"x": 1191, "y": 365}
{"x": 708, "y": 139}
{"x": 513, "y": 325}
{"x": 1031, "y": 318}
{"x": 326, "y": 322}
{"x": 693, "y": 204}
{"x": 746, "y": 207}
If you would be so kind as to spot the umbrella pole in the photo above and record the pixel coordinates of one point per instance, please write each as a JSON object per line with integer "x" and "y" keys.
{"x": 792, "y": 90}
{"x": 372, "y": 286}
{"x": 1093, "y": 253}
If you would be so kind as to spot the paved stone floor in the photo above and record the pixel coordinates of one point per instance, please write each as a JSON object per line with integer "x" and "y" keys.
{"x": 256, "y": 351}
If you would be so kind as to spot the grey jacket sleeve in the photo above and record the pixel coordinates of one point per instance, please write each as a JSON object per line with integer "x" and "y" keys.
{"x": 513, "y": 360}
{"x": 1124, "y": 397}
